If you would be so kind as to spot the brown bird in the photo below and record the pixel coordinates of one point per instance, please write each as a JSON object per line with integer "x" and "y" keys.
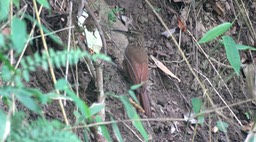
{"x": 136, "y": 64}
{"x": 90, "y": 23}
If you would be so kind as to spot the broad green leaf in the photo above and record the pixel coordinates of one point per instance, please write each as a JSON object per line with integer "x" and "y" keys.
{"x": 116, "y": 131}
{"x": 222, "y": 126}
{"x": 135, "y": 86}
{"x": 215, "y": 32}
{"x": 232, "y": 53}
{"x": 5, "y": 126}
{"x": 44, "y": 3}
{"x": 103, "y": 129}
{"x": 197, "y": 106}
{"x": 132, "y": 114}
{"x": 4, "y": 9}
{"x": 244, "y": 47}
{"x": 95, "y": 108}
{"x": 18, "y": 34}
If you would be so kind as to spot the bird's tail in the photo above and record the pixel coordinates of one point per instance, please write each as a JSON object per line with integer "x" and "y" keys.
{"x": 145, "y": 103}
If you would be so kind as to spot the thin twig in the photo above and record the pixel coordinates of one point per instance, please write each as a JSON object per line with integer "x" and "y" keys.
{"x": 69, "y": 41}
{"x": 48, "y": 59}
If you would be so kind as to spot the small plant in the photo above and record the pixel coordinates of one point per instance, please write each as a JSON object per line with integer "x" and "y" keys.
{"x": 231, "y": 47}
{"x": 112, "y": 14}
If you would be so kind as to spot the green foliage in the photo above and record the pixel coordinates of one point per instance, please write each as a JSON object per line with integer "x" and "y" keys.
{"x": 103, "y": 129}
{"x": 232, "y": 53}
{"x": 4, "y": 125}
{"x": 39, "y": 130}
{"x": 112, "y": 14}
{"x": 136, "y": 86}
{"x": 222, "y": 126}
{"x": 4, "y": 9}
{"x": 231, "y": 47}
{"x": 27, "y": 96}
{"x": 197, "y": 106}
{"x": 2, "y": 42}
{"x": 116, "y": 131}
{"x": 215, "y": 32}
{"x": 132, "y": 114}
{"x": 16, "y": 3}
{"x": 44, "y": 3}
{"x": 18, "y": 34}
{"x": 132, "y": 93}
{"x": 53, "y": 36}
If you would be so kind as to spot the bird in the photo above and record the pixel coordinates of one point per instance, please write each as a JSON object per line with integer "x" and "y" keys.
{"x": 90, "y": 23}
{"x": 136, "y": 65}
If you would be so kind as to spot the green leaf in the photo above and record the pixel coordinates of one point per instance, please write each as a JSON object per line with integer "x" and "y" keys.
{"x": 101, "y": 56}
{"x": 4, "y": 127}
{"x": 136, "y": 86}
{"x": 61, "y": 84}
{"x": 45, "y": 65}
{"x": 18, "y": 81}
{"x": 44, "y": 3}
{"x": 6, "y": 73}
{"x": 222, "y": 126}
{"x": 132, "y": 114}
{"x": 41, "y": 130}
{"x": 215, "y": 32}
{"x": 2, "y": 43}
{"x": 4, "y": 9}
{"x": 116, "y": 131}
{"x": 25, "y": 75}
{"x": 197, "y": 106}
{"x": 244, "y": 47}
{"x": 103, "y": 129}
{"x": 84, "y": 109}
{"x": 95, "y": 108}
{"x": 25, "y": 98}
{"x": 18, "y": 34}
{"x": 232, "y": 53}
{"x": 41, "y": 97}
{"x": 16, "y": 3}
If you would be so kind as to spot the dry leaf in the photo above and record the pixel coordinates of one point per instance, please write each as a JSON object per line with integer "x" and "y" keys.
{"x": 181, "y": 25}
{"x": 163, "y": 68}
{"x": 137, "y": 106}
